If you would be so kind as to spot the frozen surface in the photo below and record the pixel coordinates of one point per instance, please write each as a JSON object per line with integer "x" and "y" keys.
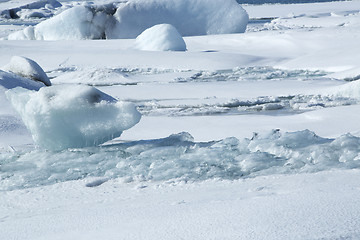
{"x": 72, "y": 116}
{"x": 28, "y": 68}
{"x": 161, "y": 37}
{"x": 179, "y": 158}
{"x": 190, "y": 18}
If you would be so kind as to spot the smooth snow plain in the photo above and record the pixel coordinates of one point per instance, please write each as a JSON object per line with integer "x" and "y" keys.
{"x": 242, "y": 136}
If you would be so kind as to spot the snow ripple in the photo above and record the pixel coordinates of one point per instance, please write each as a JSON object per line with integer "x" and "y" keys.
{"x": 178, "y": 158}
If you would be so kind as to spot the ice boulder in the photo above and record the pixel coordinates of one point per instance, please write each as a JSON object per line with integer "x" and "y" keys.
{"x": 161, "y": 37}
{"x": 10, "y": 80}
{"x": 80, "y": 22}
{"x": 189, "y": 17}
{"x": 72, "y": 116}
{"x": 27, "y": 68}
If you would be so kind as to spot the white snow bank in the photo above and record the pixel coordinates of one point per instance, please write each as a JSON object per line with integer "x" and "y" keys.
{"x": 161, "y": 37}
{"x": 179, "y": 158}
{"x": 189, "y": 17}
{"x": 28, "y": 68}
{"x": 69, "y": 116}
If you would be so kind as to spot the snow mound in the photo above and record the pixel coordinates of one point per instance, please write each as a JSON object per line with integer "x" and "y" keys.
{"x": 178, "y": 158}
{"x": 189, "y": 17}
{"x": 71, "y": 116}
{"x": 28, "y": 68}
{"x": 161, "y": 37}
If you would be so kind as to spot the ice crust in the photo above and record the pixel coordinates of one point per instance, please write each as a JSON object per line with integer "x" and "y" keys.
{"x": 60, "y": 117}
{"x": 28, "y": 68}
{"x": 189, "y": 17}
{"x": 178, "y": 158}
{"x": 161, "y": 37}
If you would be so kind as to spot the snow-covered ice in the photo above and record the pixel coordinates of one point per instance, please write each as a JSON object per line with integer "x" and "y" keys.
{"x": 161, "y": 37}
{"x": 251, "y": 135}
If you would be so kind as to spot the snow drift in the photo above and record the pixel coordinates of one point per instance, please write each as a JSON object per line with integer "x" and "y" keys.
{"x": 161, "y": 37}
{"x": 189, "y": 17}
{"x": 69, "y": 116}
{"x": 28, "y": 68}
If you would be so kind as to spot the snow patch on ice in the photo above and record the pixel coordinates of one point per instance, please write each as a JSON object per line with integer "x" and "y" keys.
{"x": 161, "y": 37}
{"x": 179, "y": 158}
{"x": 69, "y": 116}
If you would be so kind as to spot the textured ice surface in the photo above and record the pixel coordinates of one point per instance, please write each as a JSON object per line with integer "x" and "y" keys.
{"x": 65, "y": 116}
{"x": 28, "y": 68}
{"x": 161, "y": 37}
{"x": 189, "y": 17}
{"x": 179, "y": 158}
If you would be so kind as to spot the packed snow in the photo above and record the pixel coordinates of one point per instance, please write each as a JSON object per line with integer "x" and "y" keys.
{"x": 248, "y": 134}
{"x": 161, "y": 37}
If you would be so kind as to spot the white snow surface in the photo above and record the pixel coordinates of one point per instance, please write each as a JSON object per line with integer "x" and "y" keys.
{"x": 161, "y": 37}
{"x": 60, "y": 117}
{"x": 190, "y": 18}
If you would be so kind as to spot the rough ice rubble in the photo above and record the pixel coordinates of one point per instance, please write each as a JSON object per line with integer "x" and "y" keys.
{"x": 28, "y": 68}
{"x": 189, "y": 17}
{"x": 161, "y": 37}
{"x": 70, "y": 116}
{"x": 179, "y": 158}
{"x": 199, "y": 17}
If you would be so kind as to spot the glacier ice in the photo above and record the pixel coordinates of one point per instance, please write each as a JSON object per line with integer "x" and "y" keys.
{"x": 161, "y": 37}
{"x": 69, "y": 116}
